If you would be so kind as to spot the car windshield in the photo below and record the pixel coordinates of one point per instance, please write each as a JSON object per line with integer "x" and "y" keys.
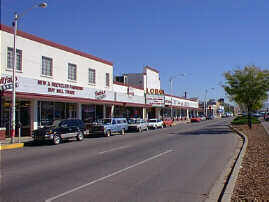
{"x": 132, "y": 121}
{"x": 107, "y": 121}
{"x": 152, "y": 120}
{"x": 56, "y": 123}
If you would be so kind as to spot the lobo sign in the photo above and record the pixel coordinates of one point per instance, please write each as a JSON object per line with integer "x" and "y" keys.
{"x": 155, "y": 91}
{"x": 7, "y": 83}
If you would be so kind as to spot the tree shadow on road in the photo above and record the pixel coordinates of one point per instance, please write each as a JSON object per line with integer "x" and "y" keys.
{"x": 206, "y": 131}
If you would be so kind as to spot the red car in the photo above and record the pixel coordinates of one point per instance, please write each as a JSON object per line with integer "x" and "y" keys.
{"x": 168, "y": 122}
{"x": 195, "y": 119}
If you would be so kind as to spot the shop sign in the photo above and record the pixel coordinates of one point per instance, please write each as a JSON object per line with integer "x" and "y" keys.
{"x": 6, "y": 83}
{"x": 153, "y": 91}
{"x": 100, "y": 94}
{"x": 155, "y": 100}
{"x": 168, "y": 102}
{"x": 59, "y": 88}
{"x": 130, "y": 91}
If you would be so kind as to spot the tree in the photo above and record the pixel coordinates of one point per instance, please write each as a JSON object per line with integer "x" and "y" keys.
{"x": 247, "y": 87}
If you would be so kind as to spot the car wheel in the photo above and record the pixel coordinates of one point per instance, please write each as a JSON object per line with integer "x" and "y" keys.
{"x": 56, "y": 139}
{"x": 80, "y": 136}
{"x": 108, "y": 133}
{"x": 122, "y": 131}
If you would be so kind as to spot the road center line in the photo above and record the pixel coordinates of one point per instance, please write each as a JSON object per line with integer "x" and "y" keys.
{"x": 107, "y": 176}
{"x": 114, "y": 149}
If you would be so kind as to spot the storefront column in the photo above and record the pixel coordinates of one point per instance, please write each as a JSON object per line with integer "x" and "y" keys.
{"x": 104, "y": 111}
{"x": 145, "y": 113}
{"x": 157, "y": 113}
{"x": 188, "y": 114}
{"x": 112, "y": 111}
{"x": 79, "y": 111}
{"x": 33, "y": 116}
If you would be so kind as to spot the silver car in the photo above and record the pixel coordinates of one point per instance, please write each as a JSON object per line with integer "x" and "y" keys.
{"x": 135, "y": 124}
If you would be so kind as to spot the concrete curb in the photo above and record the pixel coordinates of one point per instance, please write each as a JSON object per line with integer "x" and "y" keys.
{"x": 223, "y": 188}
{"x": 11, "y": 146}
{"x": 265, "y": 127}
{"x": 228, "y": 192}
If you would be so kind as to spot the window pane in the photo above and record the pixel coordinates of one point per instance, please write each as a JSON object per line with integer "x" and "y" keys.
{"x": 72, "y": 72}
{"x": 107, "y": 79}
{"x": 91, "y": 76}
{"x": 46, "y": 66}
{"x": 10, "y": 58}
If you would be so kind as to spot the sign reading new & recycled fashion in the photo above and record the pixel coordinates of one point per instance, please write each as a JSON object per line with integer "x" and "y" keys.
{"x": 51, "y": 88}
{"x": 60, "y": 87}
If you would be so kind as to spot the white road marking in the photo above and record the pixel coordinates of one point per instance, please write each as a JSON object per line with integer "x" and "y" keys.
{"x": 113, "y": 149}
{"x": 107, "y": 176}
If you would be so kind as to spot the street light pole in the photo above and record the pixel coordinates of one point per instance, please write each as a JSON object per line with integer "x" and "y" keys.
{"x": 14, "y": 63}
{"x": 171, "y": 89}
{"x": 205, "y": 102}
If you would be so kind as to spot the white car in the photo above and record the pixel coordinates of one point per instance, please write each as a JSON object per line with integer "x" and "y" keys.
{"x": 155, "y": 123}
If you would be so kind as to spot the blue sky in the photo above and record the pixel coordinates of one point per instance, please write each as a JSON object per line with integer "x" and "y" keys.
{"x": 201, "y": 38}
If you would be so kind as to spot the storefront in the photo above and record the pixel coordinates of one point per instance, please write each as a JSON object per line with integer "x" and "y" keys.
{"x": 39, "y": 103}
{"x": 22, "y": 115}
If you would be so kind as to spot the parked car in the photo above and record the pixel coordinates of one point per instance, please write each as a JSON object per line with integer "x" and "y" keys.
{"x": 168, "y": 122}
{"x": 195, "y": 119}
{"x": 210, "y": 117}
{"x": 202, "y": 117}
{"x": 60, "y": 130}
{"x": 135, "y": 124}
{"x": 155, "y": 123}
{"x": 110, "y": 126}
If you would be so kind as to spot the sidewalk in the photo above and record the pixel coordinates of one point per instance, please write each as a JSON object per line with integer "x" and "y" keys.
{"x": 266, "y": 126}
{"x": 6, "y": 144}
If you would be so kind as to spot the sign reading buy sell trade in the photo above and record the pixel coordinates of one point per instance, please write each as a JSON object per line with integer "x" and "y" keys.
{"x": 155, "y": 97}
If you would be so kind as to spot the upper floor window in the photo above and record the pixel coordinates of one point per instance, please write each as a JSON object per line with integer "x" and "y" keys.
{"x": 46, "y": 66}
{"x": 107, "y": 79}
{"x": 72, "y": 72}
{"x": 10, "y": 59}
{"x": 92, "y": 76}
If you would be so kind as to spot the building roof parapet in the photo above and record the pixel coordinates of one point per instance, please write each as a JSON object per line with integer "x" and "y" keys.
{"x": 123, "y": 84}
{"x": 152, "y": 69}
{"x": 53, "y": 44}
{"x": 181, "y": 98}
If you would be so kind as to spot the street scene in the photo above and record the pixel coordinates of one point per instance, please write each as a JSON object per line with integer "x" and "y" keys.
{"x": 134, "y": 101}
{"x": 181, "y": 162}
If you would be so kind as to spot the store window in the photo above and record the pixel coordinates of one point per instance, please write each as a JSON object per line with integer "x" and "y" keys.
{"x": 88, "y": 113}
{"x": 72, "y": 72}
{"x": 51, "y": 111}
{"x": 10, "y": 59}
{"x": 46, "y": 66}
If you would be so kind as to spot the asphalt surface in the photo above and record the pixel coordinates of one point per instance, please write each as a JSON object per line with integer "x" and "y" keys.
{"x": 171, "y": 164}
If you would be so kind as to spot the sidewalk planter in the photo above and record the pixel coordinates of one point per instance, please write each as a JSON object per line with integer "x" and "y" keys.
{"x": 2, "y": 133}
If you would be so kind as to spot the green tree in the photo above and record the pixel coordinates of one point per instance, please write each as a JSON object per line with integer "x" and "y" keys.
{"x": 247, "y": 87}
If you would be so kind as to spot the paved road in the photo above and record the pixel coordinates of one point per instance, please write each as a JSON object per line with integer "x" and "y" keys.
{"x": 172, "y": 164}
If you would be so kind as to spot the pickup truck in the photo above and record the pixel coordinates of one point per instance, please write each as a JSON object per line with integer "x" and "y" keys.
{"x": 110, "y": 126}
